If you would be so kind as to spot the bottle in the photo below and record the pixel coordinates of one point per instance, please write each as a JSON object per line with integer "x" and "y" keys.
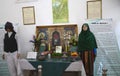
{"x": 49, "y": 56}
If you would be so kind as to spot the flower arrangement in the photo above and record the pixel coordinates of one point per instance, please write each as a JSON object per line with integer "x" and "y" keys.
{"x": 36, "y": 42}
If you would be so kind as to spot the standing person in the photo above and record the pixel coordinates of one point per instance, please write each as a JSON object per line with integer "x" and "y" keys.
{"x": 11, "y": 53}
{"x": 87, "y": 47}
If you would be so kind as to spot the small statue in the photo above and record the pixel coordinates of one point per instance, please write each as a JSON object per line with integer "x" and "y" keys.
{"x": 104, "y": 73}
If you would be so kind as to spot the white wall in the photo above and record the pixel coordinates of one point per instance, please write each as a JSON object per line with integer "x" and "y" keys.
{"x": 111, "y": 9}
{"x": 12, "y": 11}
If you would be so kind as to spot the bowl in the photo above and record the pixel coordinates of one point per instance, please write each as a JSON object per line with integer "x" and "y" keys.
{"x": 41, "y": 57}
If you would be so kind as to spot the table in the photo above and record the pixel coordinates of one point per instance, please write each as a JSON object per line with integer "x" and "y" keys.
{"x": 53, "y": 67}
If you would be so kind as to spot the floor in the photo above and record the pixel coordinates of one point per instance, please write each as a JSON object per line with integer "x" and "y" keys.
{"x": 110, "y": 62}
{"x": 3, "y": 67}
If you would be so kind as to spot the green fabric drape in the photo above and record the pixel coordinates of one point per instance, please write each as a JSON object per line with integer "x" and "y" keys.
{"x": 53, "y": 67}
{"x": 86, "y": 40}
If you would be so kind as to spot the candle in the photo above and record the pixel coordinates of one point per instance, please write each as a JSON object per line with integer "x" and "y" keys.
{"x": 66, "y": 48}
{"x": 49, "y": 46}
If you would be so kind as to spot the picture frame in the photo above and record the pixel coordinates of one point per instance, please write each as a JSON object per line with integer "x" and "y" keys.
{"x": 28, "y": 15}
{"x": 53, "y": 33}
{"x": 60, "y": 11}
{"x": 94, "y": 9}
{"x": 58, "y": 49}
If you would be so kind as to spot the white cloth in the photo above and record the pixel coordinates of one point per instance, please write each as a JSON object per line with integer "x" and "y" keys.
{"x": 77, "y": 66}
{"x": 25, "y": 65}
{"x": 13, "y": 65}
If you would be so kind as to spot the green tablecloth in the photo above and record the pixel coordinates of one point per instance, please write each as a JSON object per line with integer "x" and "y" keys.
{"x": 52, "y": 67}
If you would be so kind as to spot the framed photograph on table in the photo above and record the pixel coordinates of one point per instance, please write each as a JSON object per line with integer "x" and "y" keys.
{"x": 28, "y": 15}
{"x": 58, "y": 49}
{"x": 94, "y": 9}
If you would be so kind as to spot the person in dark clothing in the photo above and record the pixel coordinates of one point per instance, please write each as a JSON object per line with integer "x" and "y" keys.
{"x": 11, "y": 53}
{"x": 87, "y": 47}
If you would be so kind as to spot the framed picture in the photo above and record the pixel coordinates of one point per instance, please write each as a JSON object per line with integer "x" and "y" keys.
{"x": 58, "y": 49}
{"x": 60, "y": 11}
{"x": 56, "y": 35}
{"x": 94, "y": 9}
{"x": 28, "y": 15}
